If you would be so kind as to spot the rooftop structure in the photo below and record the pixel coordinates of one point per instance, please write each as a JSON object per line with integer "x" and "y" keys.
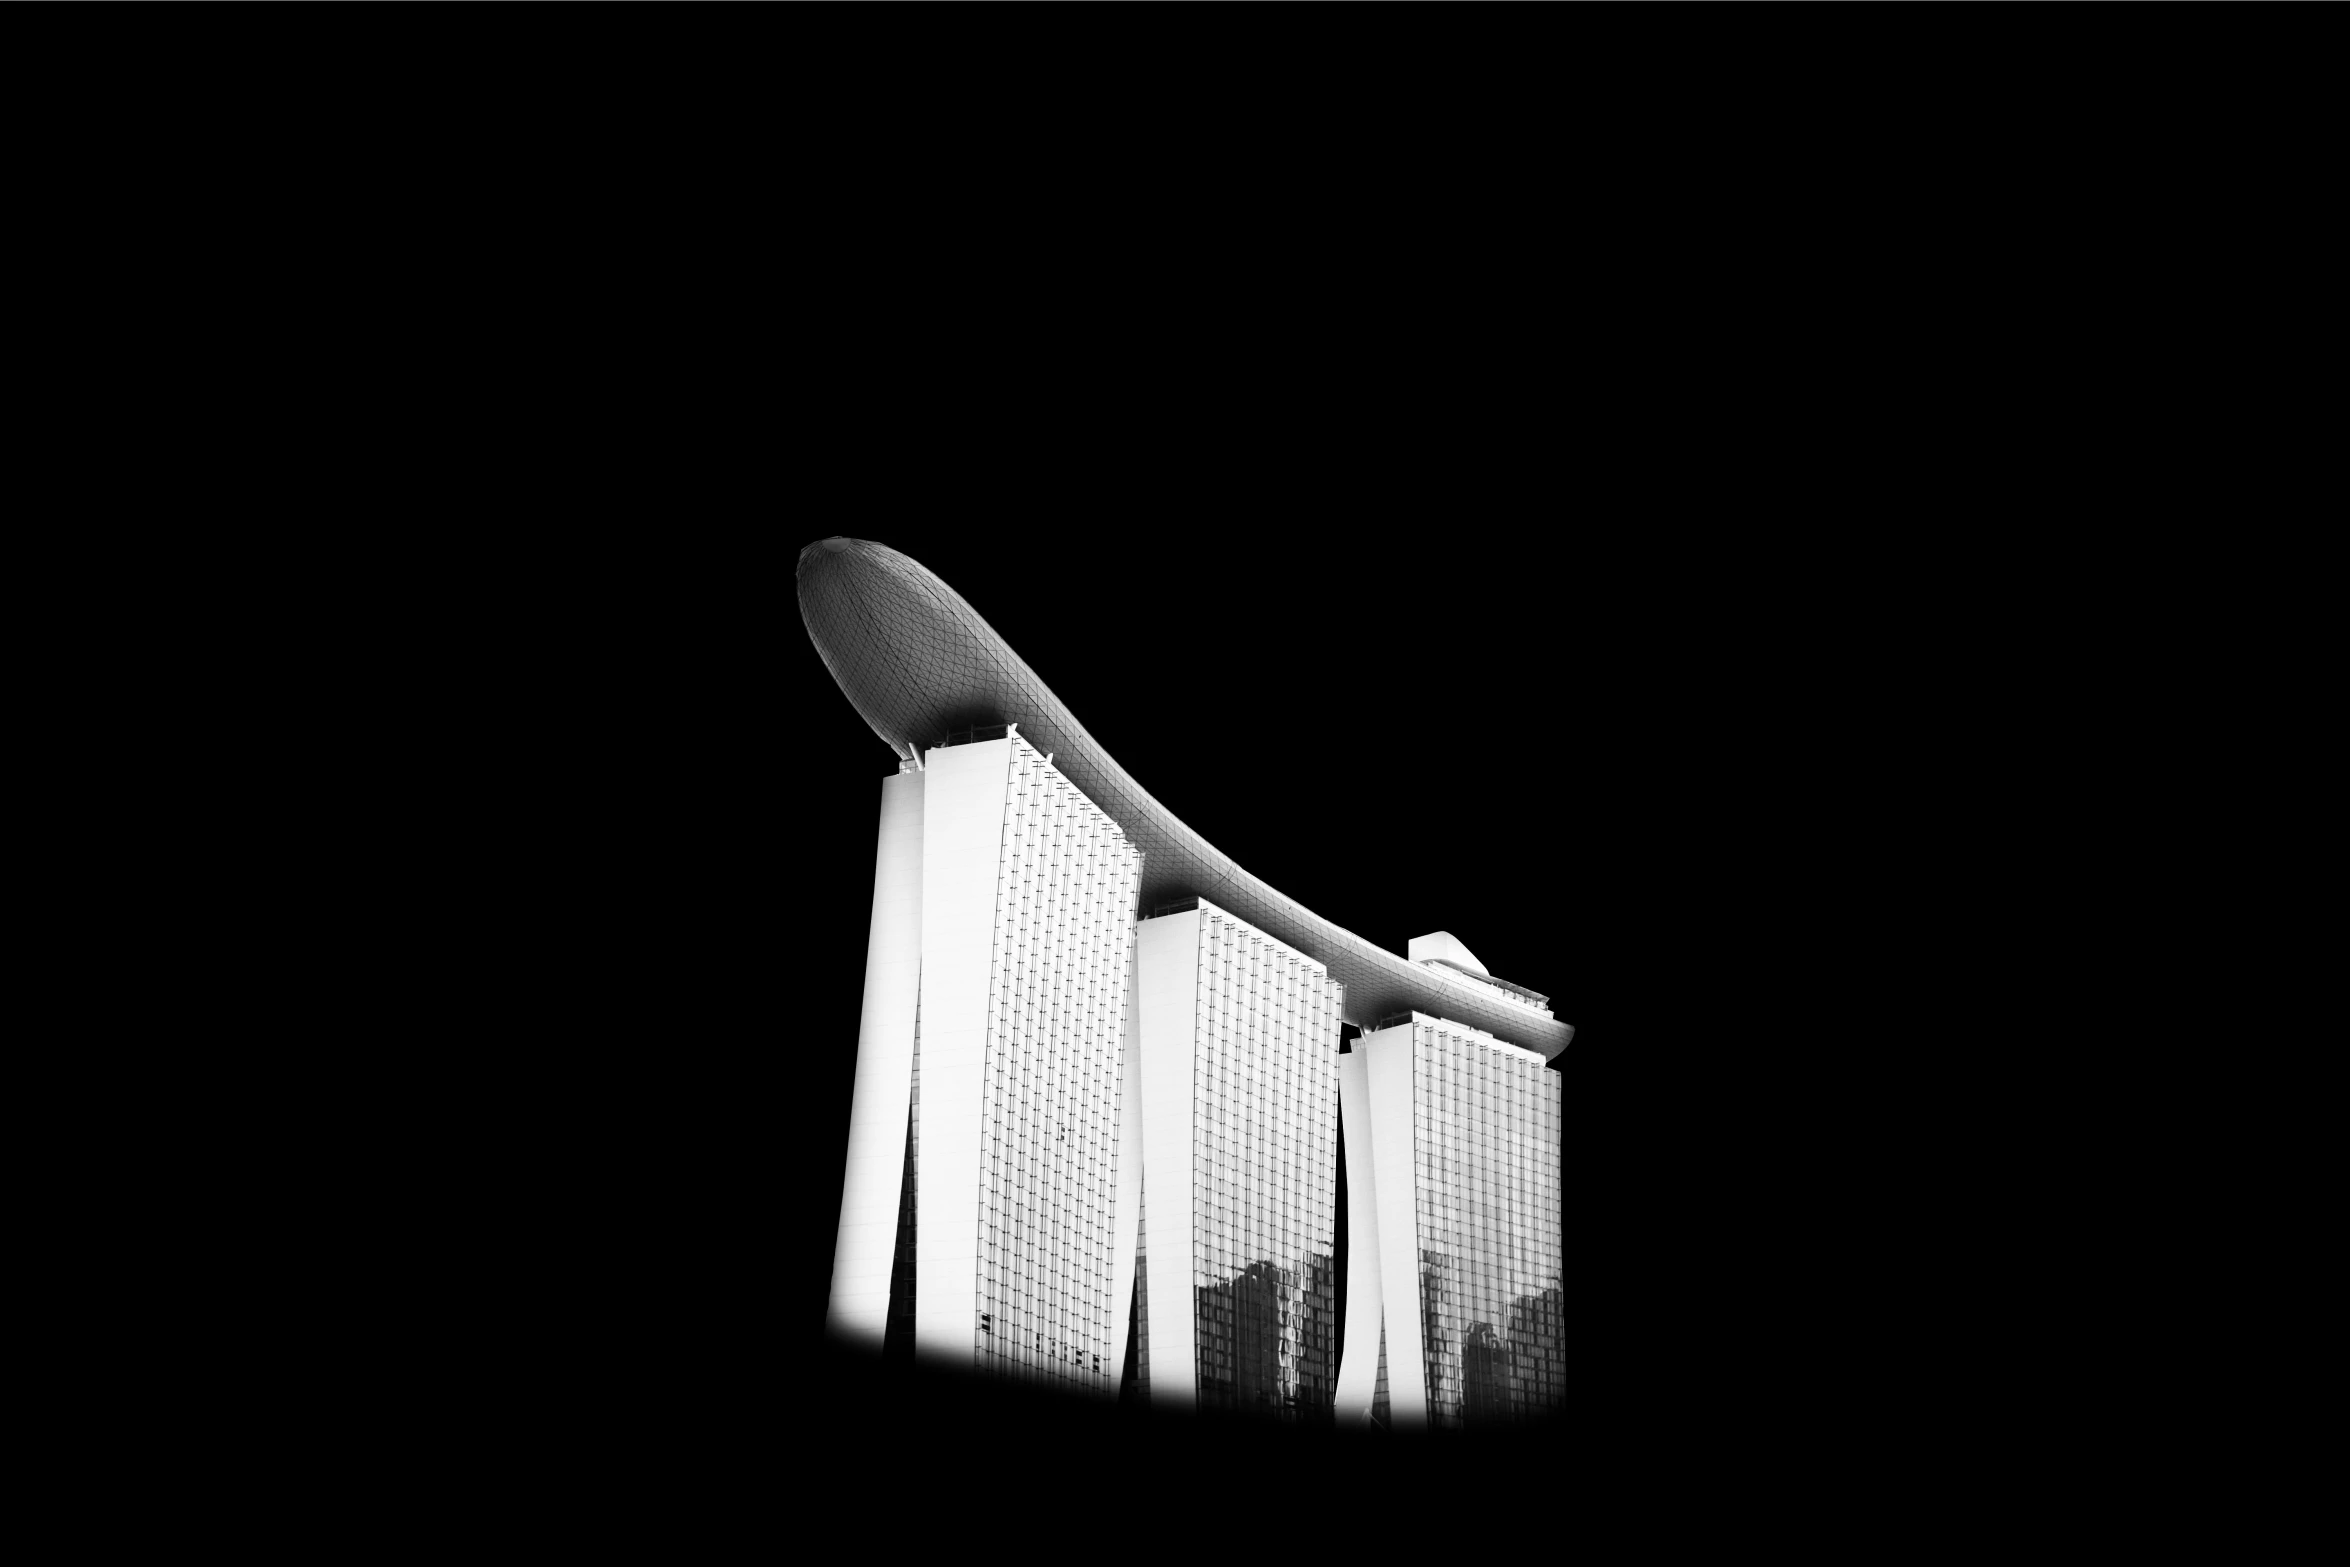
{"x": 1444, "y": 948}
{"x": 924, "y": 671}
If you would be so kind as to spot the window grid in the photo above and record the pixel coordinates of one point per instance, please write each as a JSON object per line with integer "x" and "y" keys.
{"x": 1065, "y": 899}
{"x": 1264, "y": 1172}
{"x": 1485, "y": 1137}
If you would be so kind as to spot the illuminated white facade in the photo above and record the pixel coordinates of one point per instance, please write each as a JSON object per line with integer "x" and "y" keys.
{"x": 1046, "y": 1082}
{"x": 997, "y": 978}
{"x": 1237, "y": 1072}
{"x": 1454, "y": 1287}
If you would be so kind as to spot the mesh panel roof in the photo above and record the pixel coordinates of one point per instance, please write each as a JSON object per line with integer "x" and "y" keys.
{"x": 916, "y": 662}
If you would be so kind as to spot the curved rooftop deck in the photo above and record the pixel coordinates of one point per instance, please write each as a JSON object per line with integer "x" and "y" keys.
{"x": 919, "y": 664}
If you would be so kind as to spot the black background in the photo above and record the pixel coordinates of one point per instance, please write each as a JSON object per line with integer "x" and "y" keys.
{"x": 1544, "y": 565}
{"x": 1547, "y": 721}
{"x": 1411, "y": 716}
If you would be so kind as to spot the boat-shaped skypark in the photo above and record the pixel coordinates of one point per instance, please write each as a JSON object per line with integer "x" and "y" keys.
{"x": 925, "y": 671}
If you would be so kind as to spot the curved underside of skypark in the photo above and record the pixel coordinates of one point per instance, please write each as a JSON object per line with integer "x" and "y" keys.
{"x": 918, "y": 664}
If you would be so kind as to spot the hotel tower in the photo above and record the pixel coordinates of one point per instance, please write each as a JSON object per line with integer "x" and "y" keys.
{"x": 1101, "y": 1082}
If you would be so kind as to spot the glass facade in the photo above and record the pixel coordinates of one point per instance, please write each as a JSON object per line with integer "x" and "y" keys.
{"x": 1485, "y": 1140}
{"x": 1062, "y": 943}
{"x": 1001, "y": 1039}
{"x": 1014, "y": 1001}
{"x": 1263, "y": 1173}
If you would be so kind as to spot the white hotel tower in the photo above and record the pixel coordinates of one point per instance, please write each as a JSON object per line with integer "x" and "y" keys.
{"x": 1232, "y": 1100}
{"x": 1072, "y": 1065}
{"x": 988, "y": 1064}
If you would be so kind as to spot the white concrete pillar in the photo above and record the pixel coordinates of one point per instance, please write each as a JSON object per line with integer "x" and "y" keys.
{"x": 859, "y": 1306}
{"x": 1358, "y": 1369}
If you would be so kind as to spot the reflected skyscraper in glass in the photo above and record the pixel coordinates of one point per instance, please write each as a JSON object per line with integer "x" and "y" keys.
{"x": 1096, "y": 1116}
{"x": 1452, "y": 1141}
{"x": 1233, "y": 1102}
